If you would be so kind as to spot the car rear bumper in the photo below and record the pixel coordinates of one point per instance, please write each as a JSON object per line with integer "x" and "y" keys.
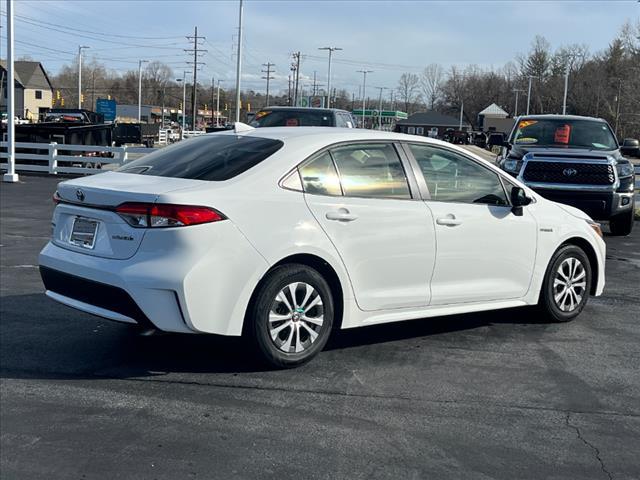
{"x": 195, "y": 279}
{"x": 598, "y": 205}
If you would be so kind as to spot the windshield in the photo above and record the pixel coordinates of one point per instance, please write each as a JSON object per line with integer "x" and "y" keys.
{"x": 566, "y": 133}
{"x": 214, "y": 157}
{"x": 293, "y": 118}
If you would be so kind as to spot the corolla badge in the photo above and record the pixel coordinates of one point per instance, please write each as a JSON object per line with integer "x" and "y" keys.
{"x": 570, "y": 172}
{"x": 80, "y": 195}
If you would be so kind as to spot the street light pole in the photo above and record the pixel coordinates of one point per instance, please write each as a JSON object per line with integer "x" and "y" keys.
{"x": 364, "y": 90}
{"x": 529, "y": 93}
{"x": 140, "y": 62}
{"x": 239, "y": 62}
{"x": 461, "y": 113}
{"x": 517, "y": 91}
{"x": 218, "y": 105}
{"x": 330, "y": 50}
{"x": 80, "y": 48}
{"x": 183, "y": 80}
{"x": 11, "y": 176}
{"x": 380, "y": 108}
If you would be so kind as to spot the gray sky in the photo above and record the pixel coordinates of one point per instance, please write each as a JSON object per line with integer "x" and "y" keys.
{"x": 389, "y": 37}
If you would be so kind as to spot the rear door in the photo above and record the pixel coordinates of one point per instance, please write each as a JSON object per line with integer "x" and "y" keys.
{"x": 360, "y": 195}
{"x": 484, "y": 251}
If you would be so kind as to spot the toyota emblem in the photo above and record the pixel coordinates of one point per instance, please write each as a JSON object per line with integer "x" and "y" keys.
{"x": 570, "y": 172}
{"x": 80, "y": 195}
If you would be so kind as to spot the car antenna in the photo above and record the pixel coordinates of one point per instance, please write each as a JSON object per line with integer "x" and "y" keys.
{"x": 240, "y": 127}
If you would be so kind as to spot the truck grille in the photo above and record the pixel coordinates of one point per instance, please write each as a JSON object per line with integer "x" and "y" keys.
{"x": 566, "y": 172}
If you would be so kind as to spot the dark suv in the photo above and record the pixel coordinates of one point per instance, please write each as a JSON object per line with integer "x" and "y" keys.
{"x": 576, "y": 161}
{"x": 302, "y": 117}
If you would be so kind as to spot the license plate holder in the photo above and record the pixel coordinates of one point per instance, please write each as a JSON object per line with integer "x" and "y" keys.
{"x": 83, "y": 233}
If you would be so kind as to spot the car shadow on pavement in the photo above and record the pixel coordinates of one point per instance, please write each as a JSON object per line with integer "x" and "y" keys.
{"x": 42, "y": 339}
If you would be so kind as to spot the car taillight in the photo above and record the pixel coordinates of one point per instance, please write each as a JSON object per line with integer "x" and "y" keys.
{"x": 154, "y": 215}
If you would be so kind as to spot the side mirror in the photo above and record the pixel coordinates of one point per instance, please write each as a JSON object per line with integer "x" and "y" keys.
{"x": 519, "y": 199}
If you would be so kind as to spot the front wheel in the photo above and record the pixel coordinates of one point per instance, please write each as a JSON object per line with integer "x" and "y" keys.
{"x": 292, "y": 315}
{"x": 566, "y": 284}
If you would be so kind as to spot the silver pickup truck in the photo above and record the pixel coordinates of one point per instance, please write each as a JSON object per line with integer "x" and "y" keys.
{"x": 576, "y": 161}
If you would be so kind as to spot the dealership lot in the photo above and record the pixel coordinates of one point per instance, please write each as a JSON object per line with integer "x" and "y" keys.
{"x": 492, "y": 395}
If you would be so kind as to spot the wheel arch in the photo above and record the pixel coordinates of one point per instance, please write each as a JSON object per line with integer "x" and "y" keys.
{"x": 590, "y": 252}
{"x": 319, "y": 264}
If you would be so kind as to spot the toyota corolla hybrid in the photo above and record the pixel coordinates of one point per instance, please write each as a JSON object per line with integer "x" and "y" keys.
{"x": 283, "y": 234}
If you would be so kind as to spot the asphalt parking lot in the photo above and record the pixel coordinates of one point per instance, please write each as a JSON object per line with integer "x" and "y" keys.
{"x": 482, "y": 396}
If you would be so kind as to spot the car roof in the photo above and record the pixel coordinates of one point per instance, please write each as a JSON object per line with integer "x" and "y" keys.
{"x": 302, "y": 109}
{"x": 551, "y": 116}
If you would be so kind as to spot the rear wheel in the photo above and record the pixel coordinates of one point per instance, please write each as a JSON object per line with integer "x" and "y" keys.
{"x": 566, "y": 285}
{"x": 622, "y": 224}
{"x": 291, "y": 316}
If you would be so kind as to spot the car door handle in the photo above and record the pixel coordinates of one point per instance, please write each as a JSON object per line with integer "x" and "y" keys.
{"x": 341, "y": 215}
{"x": 449, "y": 221}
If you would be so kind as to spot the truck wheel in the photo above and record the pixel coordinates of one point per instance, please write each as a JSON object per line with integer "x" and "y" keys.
{"x": 566, "y": 284}
{"x": 622, "y": 224}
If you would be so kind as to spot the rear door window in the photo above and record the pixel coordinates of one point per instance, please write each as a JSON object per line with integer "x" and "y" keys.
{"x": 371, "y": 170}
{"x": 213, "y": 157}
{"x": 319, "y": 176}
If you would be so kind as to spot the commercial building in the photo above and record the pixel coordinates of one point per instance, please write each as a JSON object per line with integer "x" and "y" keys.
{"x": 372, "y": 118}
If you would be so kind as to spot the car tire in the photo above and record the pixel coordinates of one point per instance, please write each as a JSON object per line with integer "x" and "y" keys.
{"x": 621, "y": 225}
{"x": 291, "y": 315}
{"x": 571, "y": 266}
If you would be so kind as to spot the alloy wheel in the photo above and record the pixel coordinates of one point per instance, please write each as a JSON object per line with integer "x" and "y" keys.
{"x": 569, "y": 284}
{"x": 296, "y": 317}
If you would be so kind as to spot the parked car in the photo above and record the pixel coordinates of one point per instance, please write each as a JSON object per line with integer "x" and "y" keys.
{"x": 630, "y": 147}
{"x": 576, "y": 161}
{"x": 303, "y": 117}
{"x": 284, "y": 234}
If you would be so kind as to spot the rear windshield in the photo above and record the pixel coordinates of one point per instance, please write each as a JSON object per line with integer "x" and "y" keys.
{"x": 214, "y": 157}
{"x": 293, "y": 118}
{"x": 565, "y": 133}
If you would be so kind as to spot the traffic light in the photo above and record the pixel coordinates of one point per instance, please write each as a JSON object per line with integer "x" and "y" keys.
{"x": 53, "y": 102}
{"x": 82, "y": 98}
{"x": 57, "y": 94}
{"x": 248, "y": 107}
{"x": 62, "y": 102}
{"x": 180, "y": 105}
{"x": 205, "y": 107}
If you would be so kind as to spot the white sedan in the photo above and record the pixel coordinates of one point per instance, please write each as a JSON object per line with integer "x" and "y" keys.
{"x": 283, "y": 234}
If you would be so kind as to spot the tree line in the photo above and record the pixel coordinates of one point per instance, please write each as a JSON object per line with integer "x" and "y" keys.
{"x": 603, "y": 84}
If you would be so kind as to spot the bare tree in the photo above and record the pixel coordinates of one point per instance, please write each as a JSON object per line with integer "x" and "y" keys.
{"x": 431, "y": 84}
{"x": 408, "y": 89}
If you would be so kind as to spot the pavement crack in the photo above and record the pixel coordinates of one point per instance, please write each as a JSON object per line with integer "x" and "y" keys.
{"x": 588, "y": 444}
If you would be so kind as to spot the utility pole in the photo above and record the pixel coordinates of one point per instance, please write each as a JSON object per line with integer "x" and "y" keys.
{"x": 80, "y": 48}
{"x": 296, "y": 68}
{"x": 268, "y": 71}
{"x": 289, "y": 96}
{"x": 330, "y": 50}
{"x": 213, "y": 88}
{"x": 517, "y": 91}
{"x": 461, "y": 112}
{"x": 11, "y": 176}
{"x": 531, "y": 77}
{"x": 195, "y": 39}
{"x": 380, "y": 108}
{"x": 218, "y": 105}
{"x": 239, "y": 62}
{"x": 618, "y": 105}
{"x": 183, "y": 80}
{"x": 364, "y": 92}
{"x": 140, "y": 62}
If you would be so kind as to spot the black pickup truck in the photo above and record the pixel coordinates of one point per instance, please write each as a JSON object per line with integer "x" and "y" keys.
{"x": 576, "y": 161}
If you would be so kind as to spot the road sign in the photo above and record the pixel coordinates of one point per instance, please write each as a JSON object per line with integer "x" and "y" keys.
{"x": 107, "y": 108}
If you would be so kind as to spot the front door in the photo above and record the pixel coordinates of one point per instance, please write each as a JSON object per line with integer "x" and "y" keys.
{"x": 484, "y": 251}
{"x": 360, "y": 196}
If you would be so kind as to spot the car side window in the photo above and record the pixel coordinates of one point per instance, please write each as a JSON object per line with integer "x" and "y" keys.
{"x": 452, "y": 177}
{"x": 319, "y": 176}
{"x": 371, "y": 170}
{"x": 340, "y": 120}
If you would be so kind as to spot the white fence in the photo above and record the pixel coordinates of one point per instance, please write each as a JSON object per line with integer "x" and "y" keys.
{"x": 193, "y": 133}
{"x": 45, "y": 157}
